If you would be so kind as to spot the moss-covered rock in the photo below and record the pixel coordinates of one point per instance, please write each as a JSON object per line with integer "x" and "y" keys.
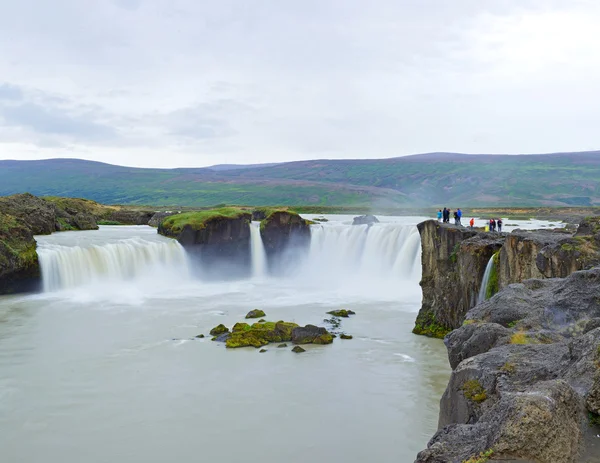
{"x": 298, "y": 350}
{"x": 19, "y": 266}
{"x": 256, "y": 313}
{"x": 311, "y": 334}
{"x": 281, "y": 231}
{"x": 343, "y": 313}
{"x": 200, "y": 336}
{"x": 260, "y": 334}
{"x": 345, "y": 336}
{"x": 219, "y": 329}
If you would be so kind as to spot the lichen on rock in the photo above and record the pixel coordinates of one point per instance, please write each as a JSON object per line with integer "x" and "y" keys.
{"x": 256, "y": 313}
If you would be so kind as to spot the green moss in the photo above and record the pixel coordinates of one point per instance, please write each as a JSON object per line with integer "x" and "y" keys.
{"x": 513, "y": 323}
{"x": 270, "y": 216}
{"x": 109, "y": 222}
{"x": 218, "y": 330}
{"x": 454, "y": 254}
{"x": 521, "y": 338}
{"x": 469, "y": 322}
{"x": 427, "y": 325}
{"x": 593, "y": 419}
{"x": 345, "y": 336}
{"x": 474, "y": 391}
{"x": 64, "y": 225}
{"x": 344, "y": 313}
{"x": 256, "y": 313}
{"x": 493, "y": 284}
{"x": 509, "y": 368}
{"x": 198, "y": 220}
{"x": 483, "y": 457}
{"x": 260, "y": 334}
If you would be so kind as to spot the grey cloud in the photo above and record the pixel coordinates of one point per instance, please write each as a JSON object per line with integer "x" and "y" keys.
{"x": 10, "y": 92}
{"x": 55, "y": 121}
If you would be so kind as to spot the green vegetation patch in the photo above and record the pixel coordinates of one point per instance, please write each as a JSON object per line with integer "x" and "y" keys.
{"x": 427, "y": 325}
{"x": 109, "y": 222}
{"x": 197, "y": 220}
{"x": 16, "y": 243}
{"x": 483, "y": 457}
{"x": 474, "y": 391}
{"x": 260, "y": 334}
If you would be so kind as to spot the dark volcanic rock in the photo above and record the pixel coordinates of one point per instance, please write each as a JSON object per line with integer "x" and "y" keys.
{"x": 286, "y": 236}
{"x": 256, "y": 313}
{"x": 454, "y": 261}
{"x": 298, "y": 350}
{"x": 365, "y": 220}
{"x": 525, "y": 364}
{"x": 129, "y": 217}
{"x": 19, "y": 266}
{"x": 311, "y": 334}
{"x": 37, "y": 214}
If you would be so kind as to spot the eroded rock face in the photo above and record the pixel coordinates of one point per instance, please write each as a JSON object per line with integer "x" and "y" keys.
{"x": 286, "y": 236}
{"x": 127, "y": 217}
{"x": 158, "y": 217}
{"x": 19, "y": 266}
{"x": 221, "y": 245}
{"x": 37, "y": 214}
{"x": 454, "y": 261}
{"x": 526, "y": 366}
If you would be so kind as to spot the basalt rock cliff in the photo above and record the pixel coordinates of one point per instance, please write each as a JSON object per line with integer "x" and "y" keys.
{"x": 525, "y": 385}
{"x": 285, "y": 235}
{"x": 454, "y": 261}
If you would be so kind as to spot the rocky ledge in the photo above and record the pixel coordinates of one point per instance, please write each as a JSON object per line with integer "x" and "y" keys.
{"x": 285, "y": 235}
{"x": 218, "y": 238}
{"x": 525, "y": 384}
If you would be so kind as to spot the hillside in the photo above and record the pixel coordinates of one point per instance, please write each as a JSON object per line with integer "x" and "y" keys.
{"x": 434, "y": 179}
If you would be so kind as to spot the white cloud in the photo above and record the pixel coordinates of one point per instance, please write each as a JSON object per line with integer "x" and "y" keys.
{"x": 191, "y": 83}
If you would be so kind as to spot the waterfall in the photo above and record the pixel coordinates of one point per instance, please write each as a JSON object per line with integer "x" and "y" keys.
{"x": 485, "y": 281}
{"x": 384, "y": 250}
{"x": 259, "y": 256}
{"x": 70, "y": 266}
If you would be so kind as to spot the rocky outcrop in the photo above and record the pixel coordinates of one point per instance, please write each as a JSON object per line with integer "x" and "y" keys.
{"x": 38, "y": 215}
{"x": 285, "y": 235}
{"x": 365, "y": 220}
{"x": 218, "y": 239}
{"x": 130, "y": 217}
{"x": 19, "y": 267}
{"x": 526, "y": 366}
{"x": 454, "y": 261}
{"x": 549, "y": 253}
{"x": 158, "y": 217}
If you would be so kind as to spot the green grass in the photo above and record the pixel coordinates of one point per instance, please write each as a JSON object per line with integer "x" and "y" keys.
{"x": 197, "y": 220}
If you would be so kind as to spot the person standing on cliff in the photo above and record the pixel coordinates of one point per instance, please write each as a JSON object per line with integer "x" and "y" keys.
{"x": 459, "y": 214}
{"x": 499, "y": 223}
{"x": 472, "y": 222}
{"x": 445, "y": 215}
{"x": 492, "y": 225}
{"x": 439, "y": 215}
{"x": 456, "y": 218}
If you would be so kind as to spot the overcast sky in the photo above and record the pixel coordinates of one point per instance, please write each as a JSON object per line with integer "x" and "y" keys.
{"x": 166, "y": 83}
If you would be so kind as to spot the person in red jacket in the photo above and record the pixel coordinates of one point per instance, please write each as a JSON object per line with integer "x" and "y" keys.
{"x": 472, "y": 222}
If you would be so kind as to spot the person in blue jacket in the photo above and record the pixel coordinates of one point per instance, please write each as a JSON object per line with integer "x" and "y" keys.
{"x": 439, "y": 215}
{"x": 459, "y": 214}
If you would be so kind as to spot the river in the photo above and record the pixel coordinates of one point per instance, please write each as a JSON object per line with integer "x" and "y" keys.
{"x": 103, "y": 366}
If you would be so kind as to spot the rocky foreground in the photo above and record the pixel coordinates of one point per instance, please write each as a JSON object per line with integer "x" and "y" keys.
{"x": 525, "y": 385}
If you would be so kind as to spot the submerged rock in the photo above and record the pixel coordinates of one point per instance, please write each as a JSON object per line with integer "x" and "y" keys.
{"x": 219, "y": 329}
{"x": 256, "y": 313}
{"x": 282, "y": 345}
{"x": 365, "y": 220}
{"x": 345, "y": 336}
{"x": 262, "y": 351}
{"x": 298, "y": 349}
{"x": 311, "y": 334}
{"x": 344, "y": 313}
{"x": 200, "y": 336}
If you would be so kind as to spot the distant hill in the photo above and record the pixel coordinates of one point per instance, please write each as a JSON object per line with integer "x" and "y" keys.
{"x": 434, "y": 179}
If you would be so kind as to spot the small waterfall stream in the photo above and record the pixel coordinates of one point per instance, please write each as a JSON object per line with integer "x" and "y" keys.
{"x": 485, "y": 280}
{"x": 259, "y": 256}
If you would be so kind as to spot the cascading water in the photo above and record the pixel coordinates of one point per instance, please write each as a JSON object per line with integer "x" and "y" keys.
{"x": 259, "y": 256}
{"x": 485, "y": 280}
{"x": 66, "y": 267}
{"x": 385, "y": 250}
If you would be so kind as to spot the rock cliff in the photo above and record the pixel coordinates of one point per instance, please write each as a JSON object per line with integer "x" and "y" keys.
{"x": 454, "y": 261}
{"x": 217, "y": 239}
{"x": 285, "y": 235}
{"x": 525, "y": 378}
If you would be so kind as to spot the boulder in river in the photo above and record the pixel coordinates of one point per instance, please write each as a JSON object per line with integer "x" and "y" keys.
{"x": 256, "y": 313}
{"x": 311, "y": 334}
{"x": 298, "y": 350}
{"x": 219, "y": 329}
{"x": 365, "y": 220}
{"x": 260, "y": 334}
{"x": 344, "y": 313}
{"x": 345, "y": 336}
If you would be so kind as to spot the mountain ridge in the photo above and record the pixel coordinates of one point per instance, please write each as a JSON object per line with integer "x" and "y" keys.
{"x": 428, "y": 179}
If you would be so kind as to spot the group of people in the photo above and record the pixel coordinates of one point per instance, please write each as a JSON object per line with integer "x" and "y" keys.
{"x": 496, "y": 223}
{"x": 444, "y": 216}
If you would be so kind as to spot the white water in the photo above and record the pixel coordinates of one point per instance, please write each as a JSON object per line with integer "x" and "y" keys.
{"x": 259, "y": 256}
{"x": 485, "y": 281}
{"x": 115, "y": 258}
